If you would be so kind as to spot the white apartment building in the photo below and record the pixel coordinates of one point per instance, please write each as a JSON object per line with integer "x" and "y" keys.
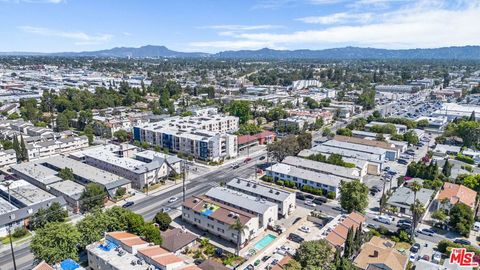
{"x": 284, "y": 199}
{"x": 266, "y": 211}
{"x": 217, "y": 218}
{"x": 60, "y": 146}
{"x": 7, "y": 157}
{"x": 204, "y": 138}
{"x": 139, "y": 172}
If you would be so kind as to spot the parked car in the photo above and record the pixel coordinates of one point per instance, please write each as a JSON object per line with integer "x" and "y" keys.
{"x": 462, "y": 241}
{"x": 383, "y": 219}
{"x": 310, "y": 197}
{"x": 127, "y": 204}
{"x": 310, "y": 203}
{"x": 300, "y": 196}
{"x": 426, "y": 258}
{"x": 373, "y": 226}
{"x": 265, "y": 258}
{"x": 415, "y": 248}
{"x": 295, "y": 238}
{"x": 403, "y": 161}
{"x": 436, "y": 257}
{"x": 320, "y": 200}
{"x": 247, "y": 159}
{"x": 172, "y": 199}
{"x": 236, "y": 166}
{"x": 412, "y": 257}
{"x": 404, "y": 222}
{"x": 304, "y": 229}
{"x": 262, "y": 158}
{"x": 428, "y": 232}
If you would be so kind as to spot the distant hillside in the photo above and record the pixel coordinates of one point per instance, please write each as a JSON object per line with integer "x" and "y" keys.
{"x": 150, "y": 51}
{"x": 466, "y": 52}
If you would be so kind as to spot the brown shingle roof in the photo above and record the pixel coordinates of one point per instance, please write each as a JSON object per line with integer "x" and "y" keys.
{"x": 176, "y": 239}
{"x": 457, "y": 193}
{"x": 196, "y": 203}
{"x": 282, "y": 263}
{"x": 380, "y": 252}
{"x": 212, "y": 265}
{"x": 338, "y": 235}
{"x": 43, "y": 266}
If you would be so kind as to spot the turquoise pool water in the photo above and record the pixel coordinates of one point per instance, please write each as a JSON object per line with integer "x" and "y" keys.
{"x": 262, "y": 243}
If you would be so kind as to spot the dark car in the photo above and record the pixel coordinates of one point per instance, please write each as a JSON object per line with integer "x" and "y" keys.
{"x": 403, "y": 161}
{"x": 236, "y": 166}
{"x": 462, "y": 241}
{"x": 295, "y": 238}
{"x": 320, "y": 200}
{"x": 265, "y": 258}
{"x": 415, "y": 248}
{"x": 310, "y": 197}
{"x": 300, "y": 196}
{"x": 249, "y": 267}
{"x": 262, "y": 158}
{"x": 128, "y": 204}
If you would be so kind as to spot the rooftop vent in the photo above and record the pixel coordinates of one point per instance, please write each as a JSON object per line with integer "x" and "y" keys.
{"x": 271, "y": 191}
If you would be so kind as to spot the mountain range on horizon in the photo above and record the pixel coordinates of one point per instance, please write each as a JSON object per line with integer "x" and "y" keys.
{"x": 152, "y": 51}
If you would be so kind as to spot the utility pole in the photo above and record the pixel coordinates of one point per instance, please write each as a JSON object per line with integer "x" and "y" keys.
{"x": 185, "y": 169}
{"x": 7, "y": 184}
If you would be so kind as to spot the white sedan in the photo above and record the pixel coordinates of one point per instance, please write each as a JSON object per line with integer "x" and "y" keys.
{"x": 310, "y": 203}
{"x": 172, "y": 199}
{"x": 304, "y": 229}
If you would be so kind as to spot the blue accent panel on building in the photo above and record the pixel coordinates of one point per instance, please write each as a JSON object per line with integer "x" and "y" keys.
{"x": 136, "y": 133}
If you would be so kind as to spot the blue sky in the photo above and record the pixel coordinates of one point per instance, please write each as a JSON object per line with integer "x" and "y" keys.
{"x": 216, "y": 25}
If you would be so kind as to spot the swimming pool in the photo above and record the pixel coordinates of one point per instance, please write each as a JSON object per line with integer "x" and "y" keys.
{"x": 262, "y": 243}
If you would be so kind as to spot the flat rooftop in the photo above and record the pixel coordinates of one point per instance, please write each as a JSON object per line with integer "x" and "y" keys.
{"x": 259, "y": 188}
{"x": 6, "y": 207}
{"x": 312, "y": 165}
{"x": 315, "y": 177}
{"x": 26, "y": 193}
{"x": 356, "y": 147}
{"x": 38, "y": 172}
{"x": 240, "y": 199}
{"x": 346, "y": 153}
{"x": 69, "y": 188}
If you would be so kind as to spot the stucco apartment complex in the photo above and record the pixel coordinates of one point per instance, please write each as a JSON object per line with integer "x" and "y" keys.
{"x": 217, "y": 218}
{"x": 205, "y": 138}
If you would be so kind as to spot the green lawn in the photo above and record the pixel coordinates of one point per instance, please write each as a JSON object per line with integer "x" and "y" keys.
{"x": 5, "y": 240}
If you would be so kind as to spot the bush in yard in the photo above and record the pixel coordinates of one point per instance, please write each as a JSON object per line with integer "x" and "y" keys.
{"x": 280, "y": 182}
{"x": 331, "y": 195}
{"x": 465, "y": 159}
{"x": 19, "y": 232}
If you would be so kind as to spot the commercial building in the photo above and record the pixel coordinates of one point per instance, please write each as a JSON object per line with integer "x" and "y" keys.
{"x": 367, "y": 149}
{"x": 266, "y": 211}
{"x": 321, "y": 167}
{"x": 217, "y": 218}
{"x": 391, "y": 152}
{"x": 368, "y": 135}
{"x": 403, "y": 198}
{"x": 126, "y": 251}
{"x": 44, "y": 172}
{"x": 380, "y": 253}
{"x": 284, "y": 200}
{"x": 374, "y": 161}
{"x": 303, "y": 84}
{"x": 397, "y": 88}
{"x": 296, "y": 123}
{"x": 264, "y": 137}
{"x": 443, "y": 150}
{"x": 302, "y": 177}
{"x": 434, "y": 123}
{"x": 204, "y": 138}
{"x": 454, "y": 110}
{"x": 140, "y": 173}
{"x": 7, "y": 157}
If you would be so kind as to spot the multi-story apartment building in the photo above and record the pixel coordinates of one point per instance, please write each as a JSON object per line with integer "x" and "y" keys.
{"x": 60, "y": 146}
{"x": 266, "y": 211}
{"x": 284, "y": 199}
{"x": 7, "y": 157}
{"x": 217, "y": 219}
{"x": 204, "y": 138}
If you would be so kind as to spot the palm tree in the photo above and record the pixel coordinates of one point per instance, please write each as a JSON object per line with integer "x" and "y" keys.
{"x": 418, "y": 210}
{"x": 415, "y": 187}
{"x": 239, "y": 227}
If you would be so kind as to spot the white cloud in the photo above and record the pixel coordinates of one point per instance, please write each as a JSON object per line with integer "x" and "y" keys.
{"x": 425, "y": 24}
{"x": 79, "y": 38}
{"x": 238, "y": 27}
{"x": 336, "y": 18}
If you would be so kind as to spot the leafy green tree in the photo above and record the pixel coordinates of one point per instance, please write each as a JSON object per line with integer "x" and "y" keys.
{"x": 163, "y": 220}
{"x": 16, "y": 147}
{"x": 55, "y": 243}
{"x": 415, "y": 187}
{"x": 23, "y": 149}
{"x": 423, "y": 123}
{"x": 54, "y": 213}
{"x": 344, "y": 132}
{"x": 411, "y": 137}
{"x": 292, "y": 265}
{"x": 92, "y": 197}
{"x": 151, "y": 234}
{"x": 249, "y": 129}
{"x": 240, "y": 109}
{"x": 353, "y": 196}
{"x": 367, "y": 99}
{"x": 317, "y": 254}
{"x": 472, "y": 117}
{"x": 280, "y": 149}
{"x": 66, "y": 174}
{"x": 461, "y": 218}
{"x": 121, "y": 135}
{"x": 62, "y": 122}
{"x": 276, "y": 114}
{"x": 447, "y": 168}
{"x": 304, "y": 140}
{"x": 239, "y": 228}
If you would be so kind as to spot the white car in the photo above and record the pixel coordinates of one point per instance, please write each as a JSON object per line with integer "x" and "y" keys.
{"x": 412, "y": 257}
{"x": 304, "y": 229}
{"x": 383, "y": 219}
{"x": 310, "y": 203}
{"x": 172, "y": 199}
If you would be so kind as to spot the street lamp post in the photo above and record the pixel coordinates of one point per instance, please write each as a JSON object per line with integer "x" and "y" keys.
{"x": 7, "y": 184}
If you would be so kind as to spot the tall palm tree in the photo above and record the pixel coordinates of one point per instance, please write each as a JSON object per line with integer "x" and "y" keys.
{"x": 239, "y": 227}
{"x": 415, "y": 187}
{"x": 418, "y": 209}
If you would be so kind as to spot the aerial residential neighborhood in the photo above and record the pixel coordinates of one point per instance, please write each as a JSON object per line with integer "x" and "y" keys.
{"x": 258, "y": 134}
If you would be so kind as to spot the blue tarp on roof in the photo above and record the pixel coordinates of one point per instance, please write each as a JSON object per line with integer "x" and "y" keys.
{"x": 69, "y": 264}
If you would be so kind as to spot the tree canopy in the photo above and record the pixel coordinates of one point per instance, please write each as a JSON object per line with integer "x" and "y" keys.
{"x": 55, "y": 242}
{"x": 353, "y": 196}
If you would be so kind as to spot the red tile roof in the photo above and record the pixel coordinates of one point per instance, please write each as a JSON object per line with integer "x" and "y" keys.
{"x": 338, "y": 236}
{"x": 458, "y": 193}
{"x": 250, "y": 138}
